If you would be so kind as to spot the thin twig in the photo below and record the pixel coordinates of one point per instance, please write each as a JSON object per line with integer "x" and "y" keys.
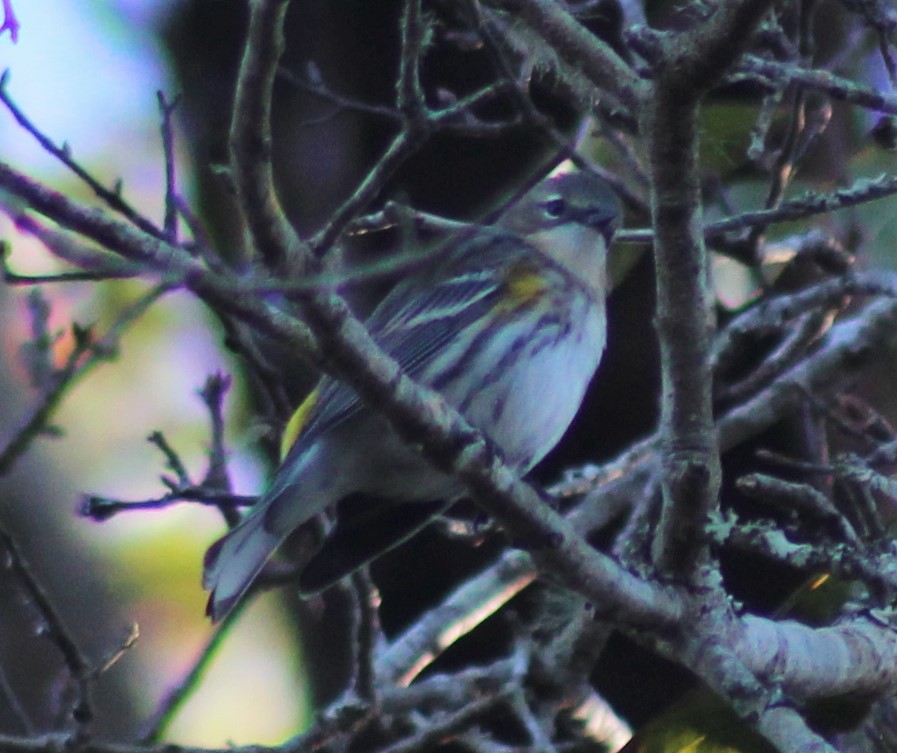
{"x": 314, "y": 85}
{"x": 212, "y": 394}
{"x": 75, "y": 250}
{"x": 13, "y": 278}
{"x": 837, "y": 87}
{"x": 409, "y": 92}
{"x": 81, "y": 360}
{"x": 100, "y": 508}
{"x": 795, "y": 341}
{"x": 809, "y": 204}
{"x": 414, "y": 129}
{"x": 459, "y": 613}
{"x": 10, "y": 22}
{"x": 398, "y": 151}
{"x": 448, "y": 726}
{"x": 166, "y": 110}
{"x": 498, "y": 46}
{"x": 177, "y": 696}
{"x": 14, "y": 704}
{"x": 457, "y": 116}
{"x": 111, "y": 198}
{"x": 774, "y": 315}
{"x": 579, "y": 48}
{"x": 875, "y": 569}
{"x": 172, "y": 459}
{"x": 53, "y": 627}
{"x": 367, "y": 636}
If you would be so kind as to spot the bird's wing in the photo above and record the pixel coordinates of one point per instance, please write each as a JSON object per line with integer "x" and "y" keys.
{"x": 413, "y": 324}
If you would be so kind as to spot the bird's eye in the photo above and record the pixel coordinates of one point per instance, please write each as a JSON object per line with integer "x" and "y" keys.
{"x": 555, "y": 207}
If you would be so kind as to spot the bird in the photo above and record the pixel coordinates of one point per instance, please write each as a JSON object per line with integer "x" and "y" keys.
{"x": 509, "y": 327}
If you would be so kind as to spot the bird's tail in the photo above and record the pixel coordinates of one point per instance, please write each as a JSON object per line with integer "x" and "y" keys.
{"x": 233, "y": 562}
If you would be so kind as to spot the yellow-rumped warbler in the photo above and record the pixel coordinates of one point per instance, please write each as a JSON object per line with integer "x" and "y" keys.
{"x": 509, "y": 328}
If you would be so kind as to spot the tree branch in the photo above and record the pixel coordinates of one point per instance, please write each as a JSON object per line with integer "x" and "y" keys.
{"x": 689, "y": 65}
{"x": 250, "y": 141}
{"x": 574, "y": 44}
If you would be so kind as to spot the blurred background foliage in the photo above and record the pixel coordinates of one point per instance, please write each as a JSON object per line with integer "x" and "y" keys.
{"x": 87, "y": 73}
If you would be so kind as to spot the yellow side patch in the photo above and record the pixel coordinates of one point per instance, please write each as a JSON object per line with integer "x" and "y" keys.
{"x": 524, "y": 285}
{"x": 297, "y": 422}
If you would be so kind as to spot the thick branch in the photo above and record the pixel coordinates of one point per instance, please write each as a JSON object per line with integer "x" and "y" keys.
{"x": 857, "y": 657}
{"x": 684, "y": 302}
{"x": 694, "y": 62}
{"x": 786, "y": 728}
{"x": 690, "y": 64}
{"x": 579, "y": 48}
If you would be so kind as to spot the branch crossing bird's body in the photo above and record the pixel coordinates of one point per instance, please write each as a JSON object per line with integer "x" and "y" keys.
{"x": 509, "y": 329}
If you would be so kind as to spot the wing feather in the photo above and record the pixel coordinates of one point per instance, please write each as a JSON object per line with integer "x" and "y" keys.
{"x": 413, "y": 326}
